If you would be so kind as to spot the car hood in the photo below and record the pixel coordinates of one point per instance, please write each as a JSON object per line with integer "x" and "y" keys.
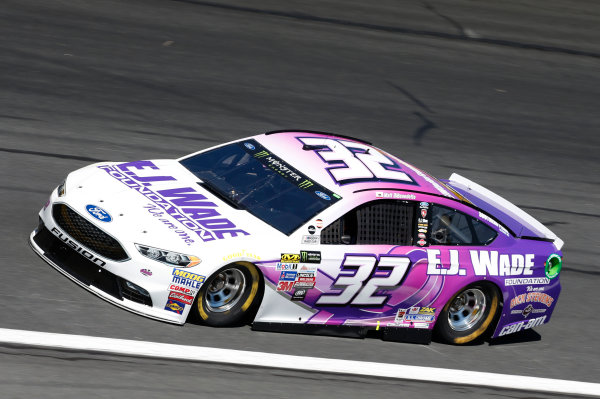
{"x": 159, "y": 203}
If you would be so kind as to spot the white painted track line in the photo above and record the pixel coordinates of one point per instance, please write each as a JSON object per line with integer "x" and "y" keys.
{"x": 289, "y": 362}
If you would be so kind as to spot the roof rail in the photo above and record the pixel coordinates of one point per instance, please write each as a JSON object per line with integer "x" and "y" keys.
{"x": 316, "y": 132}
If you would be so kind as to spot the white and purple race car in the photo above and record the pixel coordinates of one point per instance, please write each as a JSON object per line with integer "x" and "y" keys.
{"x": 308, "y": 232}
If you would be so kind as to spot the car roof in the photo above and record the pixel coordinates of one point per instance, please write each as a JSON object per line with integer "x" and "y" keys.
{"x": 311, "y": 153}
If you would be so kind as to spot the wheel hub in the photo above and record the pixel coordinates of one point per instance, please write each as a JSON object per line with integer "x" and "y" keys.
{"x": 466, "y": 309}
{"x": 225, "y": 290}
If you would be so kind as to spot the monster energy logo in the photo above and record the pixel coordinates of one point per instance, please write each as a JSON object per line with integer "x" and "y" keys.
{"x": 305, "y": 184}
{"x": 310, "y": 256}
{"x": 261, "y": 154}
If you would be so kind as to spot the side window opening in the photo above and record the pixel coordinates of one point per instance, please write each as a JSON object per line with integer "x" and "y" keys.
{"x": 383, "y": 222}
{"x": 451, "y": 227}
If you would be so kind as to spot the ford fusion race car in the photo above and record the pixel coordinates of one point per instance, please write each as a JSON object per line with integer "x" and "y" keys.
{"x": 301, "y": 231}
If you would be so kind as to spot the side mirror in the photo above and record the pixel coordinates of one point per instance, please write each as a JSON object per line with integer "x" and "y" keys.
{"x": 346, "y": 239}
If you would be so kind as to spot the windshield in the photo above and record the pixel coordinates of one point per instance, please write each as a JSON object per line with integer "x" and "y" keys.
{"x": 248, "y": 176}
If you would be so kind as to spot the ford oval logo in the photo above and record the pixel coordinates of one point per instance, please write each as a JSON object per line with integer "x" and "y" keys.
{"x": 323, "y": 195}
{"x": 98, "y": 213}
{"x": 250, "y": 146}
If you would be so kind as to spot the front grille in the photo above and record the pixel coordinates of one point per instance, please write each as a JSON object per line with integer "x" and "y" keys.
{"x": 85, "y": 270}
{"x": 87, "y": 234}
{"x": 76, "y": 265}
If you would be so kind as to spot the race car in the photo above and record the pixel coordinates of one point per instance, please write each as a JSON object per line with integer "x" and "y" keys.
{"x": 303, "y": 232}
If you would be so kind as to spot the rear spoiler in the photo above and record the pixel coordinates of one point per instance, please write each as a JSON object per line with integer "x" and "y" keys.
{"x": 483, "y": 194}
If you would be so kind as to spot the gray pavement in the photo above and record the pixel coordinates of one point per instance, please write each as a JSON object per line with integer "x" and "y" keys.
{"x": 501, "y": 92}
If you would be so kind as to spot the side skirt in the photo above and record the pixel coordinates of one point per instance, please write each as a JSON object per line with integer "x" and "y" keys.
{"x": 409, "y": 335}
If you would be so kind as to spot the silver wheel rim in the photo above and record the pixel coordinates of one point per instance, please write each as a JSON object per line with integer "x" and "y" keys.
{"x": 467, "y": 309}
{"x": 225, "y": 290}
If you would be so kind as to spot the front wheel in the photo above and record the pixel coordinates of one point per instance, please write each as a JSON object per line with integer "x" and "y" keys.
{"x": 229, "y": 296}
{"x": 468, "y": 315}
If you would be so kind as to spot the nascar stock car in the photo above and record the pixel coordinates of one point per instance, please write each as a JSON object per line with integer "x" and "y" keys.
{"x": 301, "y": 231}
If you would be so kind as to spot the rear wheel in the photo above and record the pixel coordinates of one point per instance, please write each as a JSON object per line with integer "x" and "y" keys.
{"x": 468, "y": 315}
{"x": 229, "y": 296}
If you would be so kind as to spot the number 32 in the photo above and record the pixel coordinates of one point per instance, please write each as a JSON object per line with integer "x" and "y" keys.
{"x": 354, "y": 289}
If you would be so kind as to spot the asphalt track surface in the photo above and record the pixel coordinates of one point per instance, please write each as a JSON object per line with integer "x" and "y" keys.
{"x": 505, "y": 93}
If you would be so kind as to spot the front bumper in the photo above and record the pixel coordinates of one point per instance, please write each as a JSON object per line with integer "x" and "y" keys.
{"x": 95, "y": 278}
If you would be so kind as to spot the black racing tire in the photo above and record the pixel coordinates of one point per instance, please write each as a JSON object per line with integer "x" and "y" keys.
{"x": 230, "y": 296}
{"x": 469, "y": 314}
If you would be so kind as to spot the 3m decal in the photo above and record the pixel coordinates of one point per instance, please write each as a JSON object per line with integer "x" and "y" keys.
{"x": 351, "y": 162}
{"x": 357, "y": 285}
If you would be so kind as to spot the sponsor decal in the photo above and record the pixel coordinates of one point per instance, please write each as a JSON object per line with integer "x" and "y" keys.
{"x": 422, "y": 242}
{"x": 241, "y": 254}
{"x": 287, "y": 266}
{"x": 311, "y": 229}
{"x": 299, "y": 294}
{"x": 400, "y": 315}
{"x": 184, "y": 205}
{"x": 310, "y": 256}
{"x": 381, "y": 194}
{"x": 323, "y": 195}
{"x": 422, "y": 230}
{"x": 311, "y": 240}
{"x": 146, "y": 272}
{"x": 484, "y": 263}
{"x": 305, "y": 268}
{"x": 521, "y": 325}
{"x": 290, "y": 258}
{"x": 537, "y": 297}
{"x": 319, "y": 223}
{"x": 249, "y": 146}
{"x": 98, "y": 213}
{"x": 79, "y": 249}
{"x": 288, "y": 276}
{"x": 527, "y": 281}
{"x": 303, "y": 284}
{"x": 423, "y": 213}
{"x": 175, "y": 306}
{"x": 285, "y": 286}
{"x": 187, "y": 279}
{"x": 422, "y": 235}
{"x": 414, "y": 310}
{"x": 181, "y": 297}
{"x": 424, "y": 205}
{"x": 427, "y": 310}
{"x": 529, "y": 309}
{"x": 423, "y": 318}
{"x": 183, "y": 290}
